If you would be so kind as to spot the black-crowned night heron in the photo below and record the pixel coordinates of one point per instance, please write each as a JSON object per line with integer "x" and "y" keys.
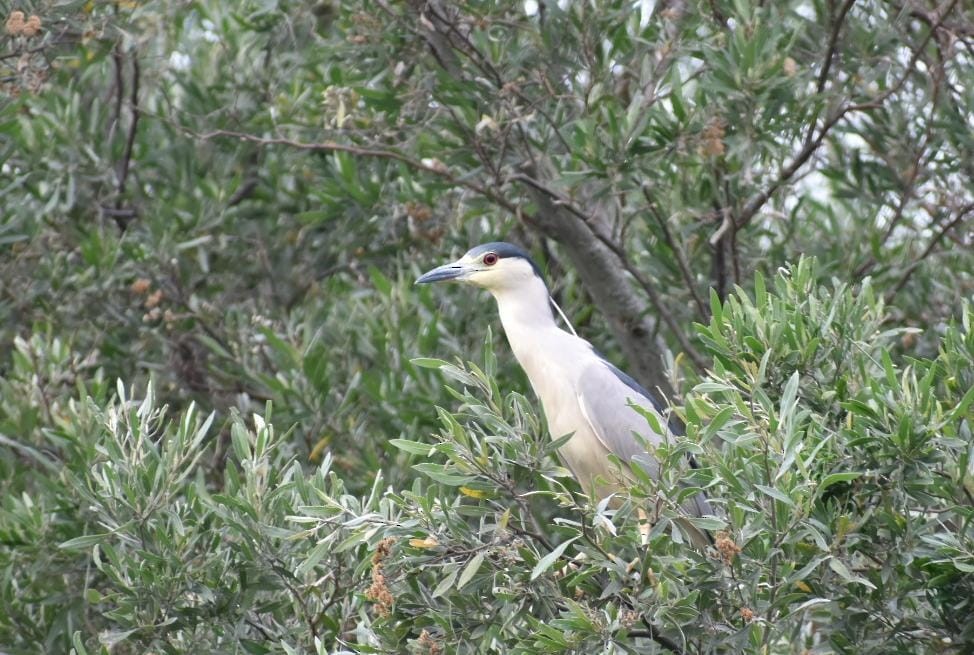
{"x": 582, "y": 394}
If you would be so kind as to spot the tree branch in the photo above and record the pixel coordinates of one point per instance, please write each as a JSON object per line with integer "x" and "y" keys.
{"x": 913, "y": 174}
{"x": 812, "y": 143}
{"x": 831, "y": 49}
{"x": 681, "y": 260}
{"x": 121, "y": 214}
{"x": 962, "y": 214}
{"x": 126, "y": 163}
{"x": 877, "y": 102}
{"x": 436, "y": 168}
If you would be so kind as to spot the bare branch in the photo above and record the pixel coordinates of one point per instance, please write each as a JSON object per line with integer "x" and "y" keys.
{"x": 962, "y": 214}
{"x": 434, "y": 168}
{"x": 831, "y": 50}
{"x": 121, "y": 214}
{"x": 678, "y": 253}
{"x": 126, "y": 163}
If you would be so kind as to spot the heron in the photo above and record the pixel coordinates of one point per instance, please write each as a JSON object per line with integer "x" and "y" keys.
{"x": 581, "y": 392}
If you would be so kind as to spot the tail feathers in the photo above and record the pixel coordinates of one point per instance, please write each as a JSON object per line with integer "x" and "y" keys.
{"x": 699, "y": 538}
{"x": 697, "y": 506}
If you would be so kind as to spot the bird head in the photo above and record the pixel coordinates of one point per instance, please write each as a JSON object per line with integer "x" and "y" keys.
{"x": 496, "y": 266}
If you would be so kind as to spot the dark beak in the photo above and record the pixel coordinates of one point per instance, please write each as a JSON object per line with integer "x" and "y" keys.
{"x": 452, "y": 271}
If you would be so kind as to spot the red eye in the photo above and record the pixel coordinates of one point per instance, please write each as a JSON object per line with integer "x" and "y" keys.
{"x": 490, "y": 259}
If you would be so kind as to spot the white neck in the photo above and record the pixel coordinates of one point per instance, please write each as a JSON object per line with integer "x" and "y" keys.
{"x": 526, "y": 315}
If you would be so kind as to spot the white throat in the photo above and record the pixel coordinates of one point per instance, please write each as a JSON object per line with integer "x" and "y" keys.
{"x": 526, "y": 306}
{"x": 530, "y": 327}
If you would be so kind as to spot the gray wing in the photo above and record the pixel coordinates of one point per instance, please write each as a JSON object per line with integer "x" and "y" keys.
{"x": 604, "y": 397}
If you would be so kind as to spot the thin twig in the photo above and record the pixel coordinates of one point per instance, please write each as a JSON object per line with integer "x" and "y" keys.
{"x": 754, "y": 205}
{"x": 914, "y": 58}
{"x": 830, "y": 50}
{"x": 119, "y": 90}
{"x": 377, "y": 153}
{"x": 963, "y": 213}
{"x": 678, "y": 253}
{"x": 126, "y": 163}
{"x": 910, "y": 184}
{"x": 56, "y": 40}
{"x": 653, "y": 633}
{"x": 243, "y": 192}
{"x": 812, "y": 143}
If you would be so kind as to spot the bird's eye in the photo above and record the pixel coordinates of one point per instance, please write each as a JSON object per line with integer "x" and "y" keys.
{"x": 490, "y": 259}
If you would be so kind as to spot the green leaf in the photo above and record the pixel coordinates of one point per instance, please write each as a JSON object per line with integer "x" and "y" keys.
{"x": 843, "y": 571}
{"x": 412, "y": 447}
{"x": 776, "y": 494}
{"x": 835, "y": 478}
{"x": 760, "y": 291}
{"x": 446, "y": 583}
{"x": 712, "y": 387}
{"x": 470, "y": 569}
{"x": 789, "y": 397}
{"x": 716, "y": 309}
{"x": 428, "y": 362}
{"x": 317, "y": 553}
{"x": 382, "y": 284}
{"x": 548, "y": 560}
{"x": 438, "y": 472}
{"x": 84, "y": 541}
{"x": 705, "y": 522}
{"x": 961, "y": 409}
{"x": 719, "y": 420}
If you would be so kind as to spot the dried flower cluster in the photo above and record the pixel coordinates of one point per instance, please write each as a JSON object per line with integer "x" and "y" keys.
{"x": 378, "y": 592}
{"x": 18, "y": 25}
{"x": 629, "y": 618}
{"x": 727, "y": 548}
{"x": 790, "y": 67}
{"x": 712, "y": 139}
{"x": 143, "y": 287}
{"x": 427, "y": 645}
{"x": 418, "y": 216}
{"x": 747, "y": 614}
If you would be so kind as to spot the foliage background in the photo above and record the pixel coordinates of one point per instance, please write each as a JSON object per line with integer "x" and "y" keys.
{"x": 219, "y": 209}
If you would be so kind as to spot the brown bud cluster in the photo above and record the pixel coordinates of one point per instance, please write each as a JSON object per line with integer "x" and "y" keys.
{"x": 628, "y": 619}
{"x": 418, "y": 211}
{"x": 726, "y": 547}
{"x": 378, "y": 592}
{"x": 154, "y": 299}
{"x": 427, "y": 645}
{"x": 418, "y": 216}
{"x": 141, "y": 286}
{"x": 18, "y": 25}
{"x": 747, "y": 614}
{"x": 712, "y": 138}
{"x": 790, "y": 67}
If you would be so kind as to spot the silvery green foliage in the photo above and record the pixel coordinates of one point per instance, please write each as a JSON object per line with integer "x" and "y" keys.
{"x": 842, "y": 478}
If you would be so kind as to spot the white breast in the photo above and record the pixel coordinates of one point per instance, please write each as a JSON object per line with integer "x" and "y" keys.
{"x": 552, "y": 359}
